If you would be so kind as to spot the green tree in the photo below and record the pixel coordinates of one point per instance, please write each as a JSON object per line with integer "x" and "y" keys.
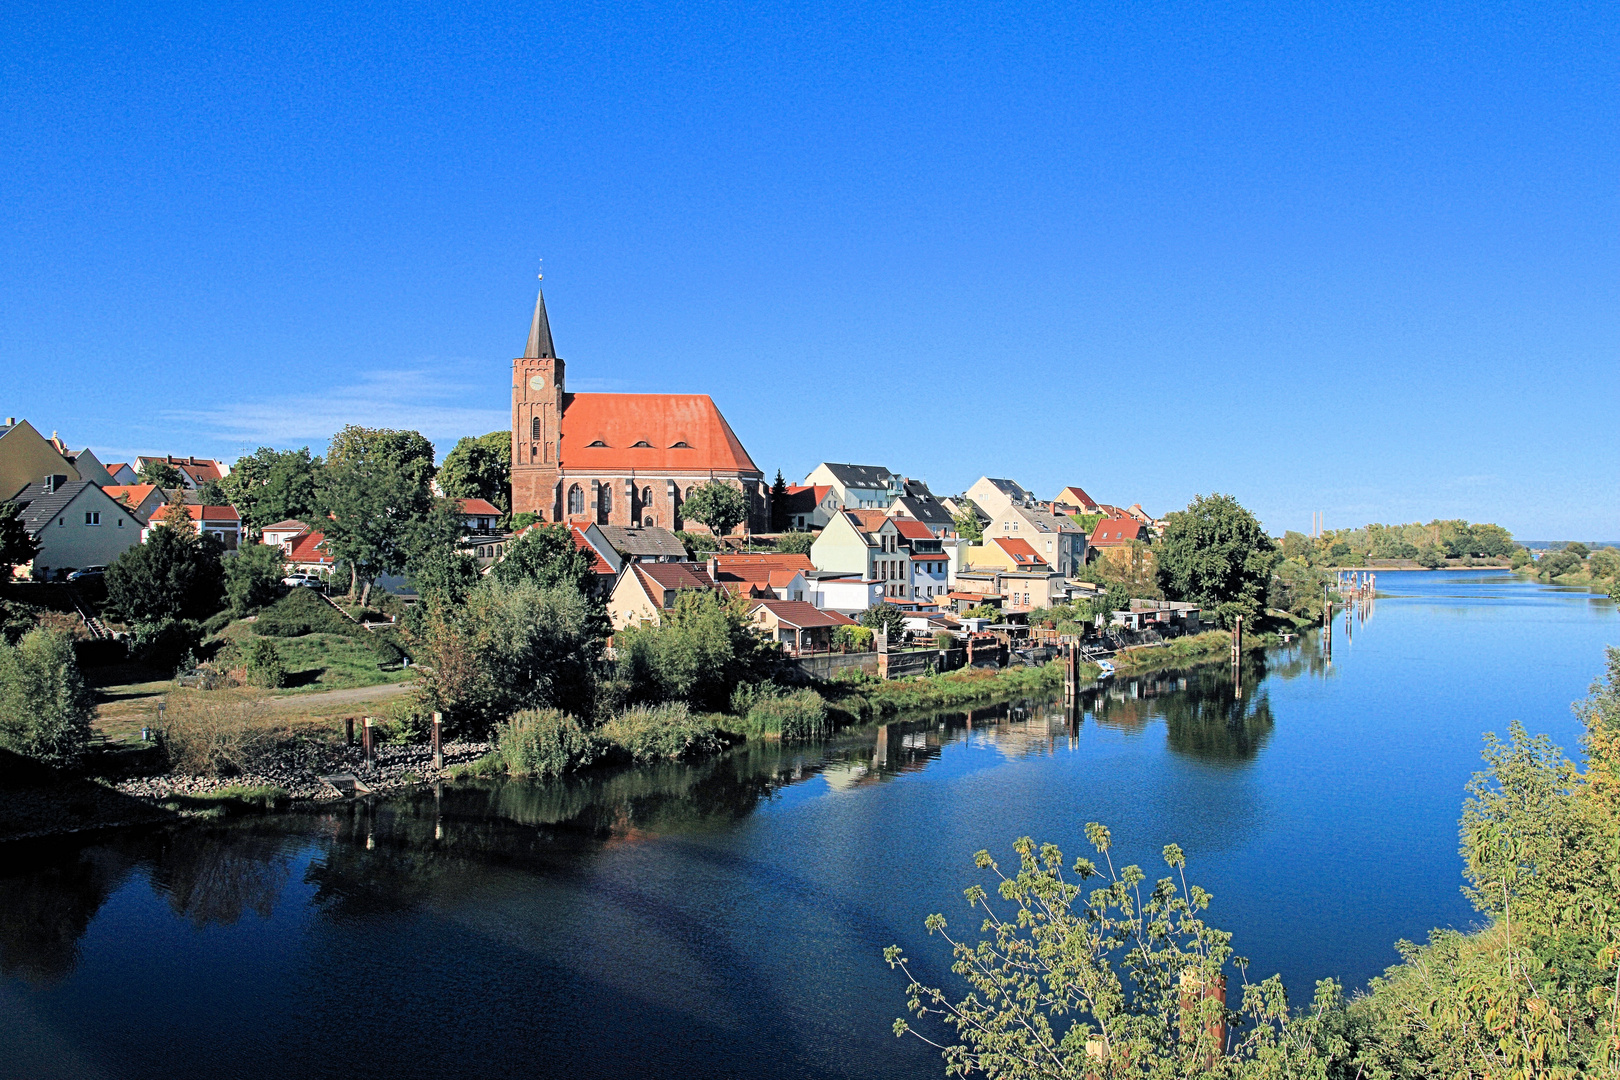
{"x": 435, "y": 563}
{"x": 45, "y": 709}
{"x": 271, "y": 486}
{"x": 887, "y": 617}
{"x": 212, "y": 493}
{"x": 252, "y": 577}
{"x": 480, "y": 468}
{"x": 967, "y": 523}
{"x": 795, "y": 543}
{"x": 175, "y": 574}
{"x": 718, "y": 505}
{"x": 16, "y": 545}
{"x": 375, "y": 490}
{"x": 779, "y": 504}
{"x": 160, "y": 474}
{"x": 1215, "y": 554}
{"x": 704, "y": 647}
{"x": 548, "y": 556}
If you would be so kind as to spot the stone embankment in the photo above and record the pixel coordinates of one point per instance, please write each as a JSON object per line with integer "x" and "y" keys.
{"x": 297, "y": 771}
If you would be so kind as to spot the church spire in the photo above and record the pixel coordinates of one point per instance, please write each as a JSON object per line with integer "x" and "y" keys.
{"x": 540, "y": 346}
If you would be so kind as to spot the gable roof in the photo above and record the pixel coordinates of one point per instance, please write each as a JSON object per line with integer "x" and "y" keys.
{"x": 801, "y": 614}
{"x": 675, "y": 575}
{"x": 648, "y": 540}
{"x": 292, "y": 525}
{"x": 656, "y": 433}
{"x": 1020, "y": 552}
{"x": 1010, "y": 488}
{"x": 913, "y": 530}
{"x": 1112, "y": 532}
{"x": 211, "y": 513}
{"x": 198, "y": 470}
{"x": 477, "y": 507}
{"x": 927, "y": 511}
{"x": 804, "y": 499}
{"x": 133, "y": 495}
{"x": 1075, "y": 496}
{"x": 763, "y": 567}
{"x": 39, "y": 505}
{"x": 866, "y": 521}
{"x": 1045, "y": 522}
{"x": 599, "y": 565}
{"x": 859, "y": 476}
{"x": 309, "y": 548}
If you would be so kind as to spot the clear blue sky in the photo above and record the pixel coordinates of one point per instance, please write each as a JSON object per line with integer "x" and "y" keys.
{"x": 1341, "y": 257}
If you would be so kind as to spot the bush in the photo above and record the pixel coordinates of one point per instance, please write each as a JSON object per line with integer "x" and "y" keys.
{"x": 252, "y": 577}
{"x": 547, "y": 742}
{"x": 263, "y": 664}
{"x": 298, "y": 613}
{"x": 167, "y": 643}
{"x": 174, "y": 574}
{"x": 216, "y": 622}
{"x": 795, "y": 543}
{"x": 801, "y": 714}
{"x": 945, "y": 640}
{"x": 853, "y": 638}
{"x": 747, "y": 695}
{"x": 216, "y": 733}
{"x": 45, "y": 710}
{"x": 662, "y": 733}
{"x": 705, "y": 647}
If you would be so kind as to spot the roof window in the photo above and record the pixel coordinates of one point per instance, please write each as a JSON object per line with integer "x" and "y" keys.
{"x": 641, "y": 442}
{"x": 680, "y": 444}
{"x": 597, "y": 442}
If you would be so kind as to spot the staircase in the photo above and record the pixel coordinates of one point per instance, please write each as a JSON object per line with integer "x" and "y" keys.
{"x": 98, "y": 629}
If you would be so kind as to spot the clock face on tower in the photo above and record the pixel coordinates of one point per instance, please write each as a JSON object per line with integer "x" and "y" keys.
{"x": 537, "y": 382}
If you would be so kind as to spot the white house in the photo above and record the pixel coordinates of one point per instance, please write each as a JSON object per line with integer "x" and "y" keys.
{"x": 858, "y": 487}
{"x": 76, "y": 524}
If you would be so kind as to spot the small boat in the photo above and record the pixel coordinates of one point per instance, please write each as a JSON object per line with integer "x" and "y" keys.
{"x": 1105, "y": 669}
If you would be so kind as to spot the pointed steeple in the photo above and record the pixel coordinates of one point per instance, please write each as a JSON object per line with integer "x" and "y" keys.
{"x": 540, "y": 346}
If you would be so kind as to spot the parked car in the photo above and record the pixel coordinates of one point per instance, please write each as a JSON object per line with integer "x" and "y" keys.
{"x": 87, "y": 572}
{"x": 302, "y": 581}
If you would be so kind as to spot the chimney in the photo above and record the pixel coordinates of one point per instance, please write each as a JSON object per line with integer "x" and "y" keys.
{"x": 11, "y": 421}
{"x": 714, "y": 568}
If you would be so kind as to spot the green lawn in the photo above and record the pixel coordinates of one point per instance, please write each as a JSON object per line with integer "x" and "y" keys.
{"x": 332, "y": 662}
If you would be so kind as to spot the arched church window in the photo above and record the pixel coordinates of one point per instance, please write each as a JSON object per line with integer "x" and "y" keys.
{"x": 604, "y": 499}
{"x": 576, "y": 500}
{"x": 534, "y": 428}
{"x": 646, "y": 496}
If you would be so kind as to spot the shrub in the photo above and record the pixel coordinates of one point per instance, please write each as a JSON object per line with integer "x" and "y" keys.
{"x": 747, "y": 695}
{"x": 704, "y": 648}
{"x": 298, "y": 613}
{"x": 45, "y": 709}
{"x": 252, "y": 577}
{"x": 386, "y": 645}
{"x": 801, "y": 714}
{"x": 944, "y": 640}
{"x": 853, "y": 638}
{"x": 263, "y": 664}
{"x": 214, "y": 734}
{"x": 546, "y": 742}
{"x": 216, "y": 622}
{"x": 167, "y": 643}
{"x": 174, "y": 574}
{"x": 795, "y": 543}
{"x": 663, "y": 732}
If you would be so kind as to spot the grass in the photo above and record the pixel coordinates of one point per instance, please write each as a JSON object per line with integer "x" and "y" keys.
{"x": 230, "y": 801}
{"x": 941, "y": 691}
{"x": 318, "y": 662}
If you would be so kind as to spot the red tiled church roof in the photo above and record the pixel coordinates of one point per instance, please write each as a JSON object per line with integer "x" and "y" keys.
{"x": 622, "y": 422}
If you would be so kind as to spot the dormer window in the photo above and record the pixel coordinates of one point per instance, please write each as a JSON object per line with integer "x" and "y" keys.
{"x": 680, "y": 444}
{"x": 597, "y": 442}
{"x": 641, "y": 443}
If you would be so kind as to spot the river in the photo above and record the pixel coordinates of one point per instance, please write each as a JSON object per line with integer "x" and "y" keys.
{"x": 727, "y": 919}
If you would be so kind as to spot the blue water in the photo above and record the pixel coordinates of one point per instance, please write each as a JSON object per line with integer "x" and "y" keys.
{"x": 727, "y": 919}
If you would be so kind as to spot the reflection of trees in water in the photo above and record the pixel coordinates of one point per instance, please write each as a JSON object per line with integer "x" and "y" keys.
{"x": 214, "y": 876}
{"x": 45, "y": 909}
{"x": 1205, "y": 716}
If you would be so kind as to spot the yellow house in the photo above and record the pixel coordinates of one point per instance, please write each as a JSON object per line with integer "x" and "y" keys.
{"x": 27, "y": 457}
{"x": 1006, "y": 553}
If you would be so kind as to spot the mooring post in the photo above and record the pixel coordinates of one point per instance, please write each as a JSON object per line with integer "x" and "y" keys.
{"x": 348, "y": 731}
{"x": 1237, "y": 640}
{"x": 365, "y": 742}
{"x": 438, "y": 746}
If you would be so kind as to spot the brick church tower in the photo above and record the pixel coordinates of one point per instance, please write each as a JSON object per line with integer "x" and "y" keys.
{"x": 537, "y": 408}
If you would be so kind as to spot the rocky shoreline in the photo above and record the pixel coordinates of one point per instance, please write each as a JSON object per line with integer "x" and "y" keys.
{"x": 297, "y": 771}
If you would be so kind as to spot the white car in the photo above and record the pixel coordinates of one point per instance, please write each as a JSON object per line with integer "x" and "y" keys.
{"x": 301, "y": 581}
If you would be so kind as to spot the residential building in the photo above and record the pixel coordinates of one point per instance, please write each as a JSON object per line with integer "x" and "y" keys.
{"x": 784, "y": 577}
{"x": 306, "y": 553}
{"x": 992, "y": 495}
{"x": 644, "y": 544}
{"x": 929, "y": 563}
{"x": 810, "y": 507}
{"x": 919, "y": 504}
{"x": 223, "y": 523}
{"x": 617, "y": 459}
{"x": 1058, "y": 540}
{"x": 1076, "y": 499}
{"x": 1117, "y": 532}
{"x": 1024, "y": 590}
{"x": 479, "y": 517}
{"x": 75, "y": 523}
{"x": 84, "y": 463}
{"x": 194, "y": 471}
{"x": 27, "y": 458}
{"x": 646, "y": 590}
{"x": 798, "y": 626}
{"x": 121, "y": 474}
{"x": 1006, "y": 553}
{"x": 143, "y": 500}
{"x": 282, "y": 533}
{"x": 858, "y": 487}
{"x": 867, "y": 544}
{"x": 849, "y": 594}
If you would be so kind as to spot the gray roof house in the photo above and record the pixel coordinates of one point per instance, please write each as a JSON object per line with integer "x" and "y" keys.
{"x": 76, "y": 524}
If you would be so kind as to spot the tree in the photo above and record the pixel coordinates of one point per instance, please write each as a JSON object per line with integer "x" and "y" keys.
{"x": 886, "y": 617}
{"x": 795, "y": 543}
{"x": 252, "y": 577}
{"x": 175, "y": 574}
{"x": 45, "y": 709}
{"x": 160, "y": 474}
{"x": 1215, "y": 554}
{"x": 212, "y": 493}
{"x": 548, "y": 556}
{"x": 271, "y": 486}
{"x": 967, "y": 522}
{"x": 16, "y": 545}
{"x": 719, "y": 506}
{"x": 779, "y": 504}
{"x": 703, "y": 649}
{"x": 480, "y": 468}
{"x": 1123, "y": 980}
{"x": 374, "y": 490}
{"x": 435, "y": 563}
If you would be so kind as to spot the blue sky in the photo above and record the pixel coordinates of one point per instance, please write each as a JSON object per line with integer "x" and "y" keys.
{"x": 1353, "y": 258}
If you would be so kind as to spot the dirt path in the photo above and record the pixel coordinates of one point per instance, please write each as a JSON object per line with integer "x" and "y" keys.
{"x": 321, "y": 699}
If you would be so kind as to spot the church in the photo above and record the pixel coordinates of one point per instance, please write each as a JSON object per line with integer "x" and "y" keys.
{"x": 617, "y": 459}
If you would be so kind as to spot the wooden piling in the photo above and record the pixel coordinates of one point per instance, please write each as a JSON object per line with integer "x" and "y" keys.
{"x": 348, "y": 731}
{"x": 438, "y": 746}
{"x": 366, "y": 743}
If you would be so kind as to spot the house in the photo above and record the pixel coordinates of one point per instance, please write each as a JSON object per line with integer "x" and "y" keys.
{"x": 1135, "y": 510}
{"x": 858, "y": 487}
{"x": 1006, "y": 553}
{"x": 75, "y": 523}
{"x": 143, "y": 500}
{"x": 646, "y": 590}
{"x": 643, "y": 544}
{"x": 194, "y": 471}
{"x": 809, "y": 507}
{"x": 84, "y": 463}
{"x": 282, "y": 533}
{"x": 618, "y": 459}
{"x": 798, "y": 626}
{"x": 850, "y": 594}
{"x": 1077, "y": 500}
{"x": 121, "y": 474}
{"x": 991, "y": 494}
{"x": 1026, "y": 589}
{"x": 1058, "y": 540}
{"x": 306, "y": 554}
{"x": 479, "y": 517}
{"x": 919, "y": 504}
{"x": 27, "y": 457}
{"x": 866, "y": 544}
{"x": 930, "y": 564}
{"x": 1114, "y": 532}
{"x": 223, "y": 523}
{"x": 785, "y": 577}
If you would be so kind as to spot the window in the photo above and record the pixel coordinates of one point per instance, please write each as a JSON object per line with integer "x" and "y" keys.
{"x": 680, "y": 444}
{"x": 92, "y": 517}
{"x": 534, "y": 428}
{"x": 646, "y": 496}
{"x": 641, "y": 443}
{"x": 576, "y": 500}
{"x": 120, "y": 523}
{"x": 596, "y": 442}
{"x": 604, "y": 500}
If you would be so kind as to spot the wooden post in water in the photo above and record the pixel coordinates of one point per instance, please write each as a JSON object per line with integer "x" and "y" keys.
{"x": 348, "y": 731}
{"x": 438, "y": 746}
{"x": 365, "y": 742}
{"x": 1237, "y": 640}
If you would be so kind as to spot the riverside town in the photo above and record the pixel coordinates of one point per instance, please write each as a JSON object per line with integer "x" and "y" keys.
{"x": 1064, "y": 547}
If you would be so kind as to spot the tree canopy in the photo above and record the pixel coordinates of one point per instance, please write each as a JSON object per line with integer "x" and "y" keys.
{"x": 160, "y": 474}
{"x": 1216, "y": 555}
{"x": 270, "y": 486}
{"x": 45, "y": 709}
{"x": 175, "y": 574}
{"x": 375, "y": 489}
{"x": 718, "y": 505}
{"x": 779, "y": 503}
{"x": 480, "y": 468}
{"x": 16, "y": 545}
{"x": 546, "y": 555}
